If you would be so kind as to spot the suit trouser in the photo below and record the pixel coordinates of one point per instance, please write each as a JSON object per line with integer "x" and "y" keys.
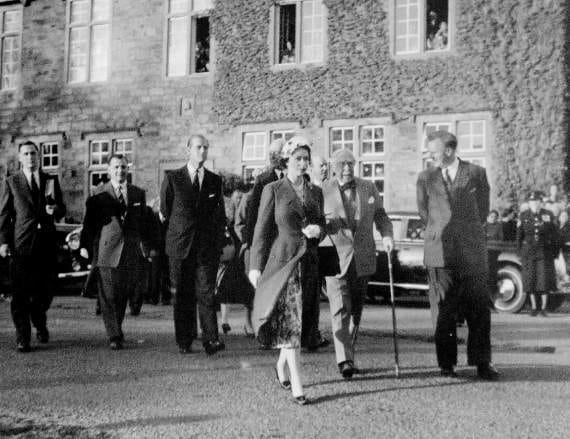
{"x": 192, "y": 283}
{"x": 450, "y": 294}
{"x": 346, "y": 299}
{"x": 33, "y": 278}
{"x": 138, "y": 293}
{"x": 116, "y": 285}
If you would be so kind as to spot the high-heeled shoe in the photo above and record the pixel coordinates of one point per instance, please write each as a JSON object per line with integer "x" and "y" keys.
{"x": 247, "y": 333}
{"x": 301, "y": 400}
{"x": 226, "y": 328}
{"x": 285, "y": 385}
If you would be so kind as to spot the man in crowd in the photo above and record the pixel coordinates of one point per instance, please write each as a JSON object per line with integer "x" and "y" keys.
{"x": 192, "y": 206}
{"x": 319, "y": 170}
{"x": 116, "y": 233}
{"x": 453, "y": 202}
{"x": 30, "y": 202}
{"x": 352, "y": 207}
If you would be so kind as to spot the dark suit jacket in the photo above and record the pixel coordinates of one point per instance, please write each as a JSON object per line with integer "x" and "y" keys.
{"x": 193, "y": 221}
{"x": 21, "y": 219}
{"x": 252, "y": 206}
{"x": 278, "y": 242}
{"x": 455, "y": 236}
{"x": 107, "y": 236}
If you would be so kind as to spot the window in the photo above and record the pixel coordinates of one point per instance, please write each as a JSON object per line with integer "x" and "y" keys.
{"x": 10, "y": 47}
{"x": 422, "y": 26}
{"x": 470, "y": 131}
{"x": 367, "y": 141}
{"x": 89, "y": 35}
{"x": 254, "y": 146}
{"x": 188, "y": 40}
{"x": 100, "y": 151}
{"x": 299, "y": 32}
{"x": 282, "y": 134}
{"x": 50, "y": 155}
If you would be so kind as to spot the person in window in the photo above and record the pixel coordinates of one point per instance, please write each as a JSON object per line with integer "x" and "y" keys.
{"x": 439, "y": 41}
{"x": 284, "y": 261}
{"x": 288, "y": 53}
{"x": 202, "y": 56}
{"x": 539, "y": 245}
{"x": 432, "y": 27}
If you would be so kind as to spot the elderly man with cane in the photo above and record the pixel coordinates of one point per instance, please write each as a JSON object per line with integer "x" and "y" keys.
{"x": 352, "y": 206}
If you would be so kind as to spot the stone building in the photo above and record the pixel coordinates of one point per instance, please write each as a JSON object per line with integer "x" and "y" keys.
{"x": 85, "y": 78}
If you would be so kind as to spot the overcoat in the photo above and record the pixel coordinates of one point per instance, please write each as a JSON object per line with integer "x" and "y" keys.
{"x": 279, "y": 244}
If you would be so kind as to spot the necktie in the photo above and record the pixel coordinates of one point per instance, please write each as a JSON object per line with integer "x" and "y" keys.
{"x": 196, "y": 182}
{"x": 35, "y": 189}
{"x": 122, "y": 201}
{"x": 447, "y": 177}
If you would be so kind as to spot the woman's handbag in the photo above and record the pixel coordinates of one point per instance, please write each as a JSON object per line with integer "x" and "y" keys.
{"x": 329, "y": 264}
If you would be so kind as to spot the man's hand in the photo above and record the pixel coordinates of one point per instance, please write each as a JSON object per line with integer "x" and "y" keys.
{"x": 312, "y": 231}
{"x": 4, "y": 250}
{"x": 254, "y": 276}
{"x": 50, "y": 209}
{"x": 84, "y": 253}
{"x": 388, "y": 243}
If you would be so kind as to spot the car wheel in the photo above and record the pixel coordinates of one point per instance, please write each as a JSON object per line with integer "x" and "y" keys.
{"x": 555, "y": 301}
{"x": 509, "y": 295}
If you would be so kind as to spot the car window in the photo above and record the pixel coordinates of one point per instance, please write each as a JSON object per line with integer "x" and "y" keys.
{"x": 415, "y": 229}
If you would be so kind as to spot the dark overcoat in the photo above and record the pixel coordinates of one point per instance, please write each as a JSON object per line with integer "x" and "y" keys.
{"x": 279, "y": 244}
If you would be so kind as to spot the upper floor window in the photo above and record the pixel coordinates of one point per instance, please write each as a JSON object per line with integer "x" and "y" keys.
{"x": 89, "y": 34}
{"x": 188, "y": 40}
{"x": 50, "y": 155}
{"x": 421, "y": 26}
{"x": 10, "y": 47}
{"x": 300, "y": 32}
{"x": 367, "y": 143}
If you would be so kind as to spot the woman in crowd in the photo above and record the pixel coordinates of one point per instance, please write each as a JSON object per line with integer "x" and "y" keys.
{"x": 232, "y": 285}
{"x": 494, "y": 227}
{"x": 284, "y": 261}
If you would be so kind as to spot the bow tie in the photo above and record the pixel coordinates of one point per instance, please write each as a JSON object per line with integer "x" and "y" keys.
{"x": 349, "y": 185}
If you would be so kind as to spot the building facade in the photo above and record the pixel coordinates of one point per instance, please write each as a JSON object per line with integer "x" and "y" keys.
{"x": 86, "y": 78}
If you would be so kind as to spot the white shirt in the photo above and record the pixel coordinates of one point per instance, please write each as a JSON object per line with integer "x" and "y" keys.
{"x": 451, "y": 169}
{"x": 123, "y": 187}
{"x": 36, "y": 174}
{"x": 192, "y": 171}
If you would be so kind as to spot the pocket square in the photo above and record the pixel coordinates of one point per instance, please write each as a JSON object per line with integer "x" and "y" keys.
{"x": 136, "y": 204}
{"x": 473, "y": 190}
{"x": 371, "y": 200}
{"x": 211, "y": 195}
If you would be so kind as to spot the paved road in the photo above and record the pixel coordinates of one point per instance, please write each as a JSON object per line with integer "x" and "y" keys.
{"x": 76, "y": 387}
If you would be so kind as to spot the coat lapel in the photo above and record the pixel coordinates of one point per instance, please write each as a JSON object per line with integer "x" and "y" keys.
{"x": 24, "y": 185}
{"x": 338, "y": 204}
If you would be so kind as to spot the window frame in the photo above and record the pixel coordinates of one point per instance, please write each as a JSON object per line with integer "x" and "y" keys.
{"x": 422, "y": 51}
{"x": 18, "y": 35}
{"x": 90, "y": 24}
{"x": 51, "y": 155}
{"x": 479, "y": 156}
{"x": 191, "y": 17}
{"x": 274, "y": 33}
{"x": 374, "y": 158}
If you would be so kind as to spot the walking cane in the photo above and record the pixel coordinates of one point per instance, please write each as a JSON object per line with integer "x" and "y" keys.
{"x": 394, "y": 326}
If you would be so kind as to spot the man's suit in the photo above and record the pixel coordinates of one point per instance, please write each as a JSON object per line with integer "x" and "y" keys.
{"x": 30, "y": 233}
{"x": 253, "y": 200}
{"x": 456, "y": 257}
{"x": 117, "y": 239}
{"x": 352, "y": 235}
{"x": 194, "y": 230}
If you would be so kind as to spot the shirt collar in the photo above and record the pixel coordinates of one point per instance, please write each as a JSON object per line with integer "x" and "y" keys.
{"x": 192, "y": 170}
{"x": 28, "y": 175}
{"x": 452, "y": 168}
{"x": 117, "y": 185}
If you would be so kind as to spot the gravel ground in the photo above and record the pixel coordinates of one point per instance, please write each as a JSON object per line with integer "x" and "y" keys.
{"x": 76, "y": 388}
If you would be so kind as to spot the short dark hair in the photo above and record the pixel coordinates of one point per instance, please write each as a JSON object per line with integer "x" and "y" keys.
{"x": 28, "y": 142}
{"x": 449, "y": 140}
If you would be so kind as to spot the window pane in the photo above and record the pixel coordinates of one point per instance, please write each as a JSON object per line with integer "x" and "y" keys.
{"x": 336, "y": 134}
{"x": 12, "y": 21}
{"x": 253, "y": 146}
{"x": 348, "y": 134}
{"x": 202, "y": 5}
{"x": 287, "y": 28}
{"x": 79, "y": 11}
{"x": 10, "y": 62}
{"x": 178, "y": 6}
{"x": 177, "y": 46}
{"x": 312, "y": 37}
{"x": 78, "y": 40}
{"x": 101, "y": 10}
{"x": 407, "y": 26}
{"x": 99, "y": 53}
{"x": 202, "y": 55}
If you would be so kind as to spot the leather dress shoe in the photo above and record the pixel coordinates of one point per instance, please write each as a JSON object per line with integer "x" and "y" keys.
{"x": 448, "y": 372}
{"x": 211, "y": 347}
{"x": 43, "y": 336}
{"x": 487, "y": 372}
{"x": 322, "y": 343}
{"x": 534, "y": 312}
{"x": 23, "y": 347}
{"x": 301, "y": 400}
{"x": 346, "y": 369}
{"x": 116, "y": 345}
{"x": 285, "y": 385}
{"x": 185, "y": 349}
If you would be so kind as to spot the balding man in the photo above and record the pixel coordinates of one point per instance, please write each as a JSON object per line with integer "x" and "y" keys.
{"x": 319, "y": 170}
{"x": 192, "y": 205}
{"x": 352, "y": 207}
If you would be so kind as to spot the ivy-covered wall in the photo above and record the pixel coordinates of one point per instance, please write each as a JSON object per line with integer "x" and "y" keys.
{"x": 510, "y": 59}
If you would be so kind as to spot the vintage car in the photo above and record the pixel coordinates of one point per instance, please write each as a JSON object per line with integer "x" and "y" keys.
{"x": 410, "y": 276}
